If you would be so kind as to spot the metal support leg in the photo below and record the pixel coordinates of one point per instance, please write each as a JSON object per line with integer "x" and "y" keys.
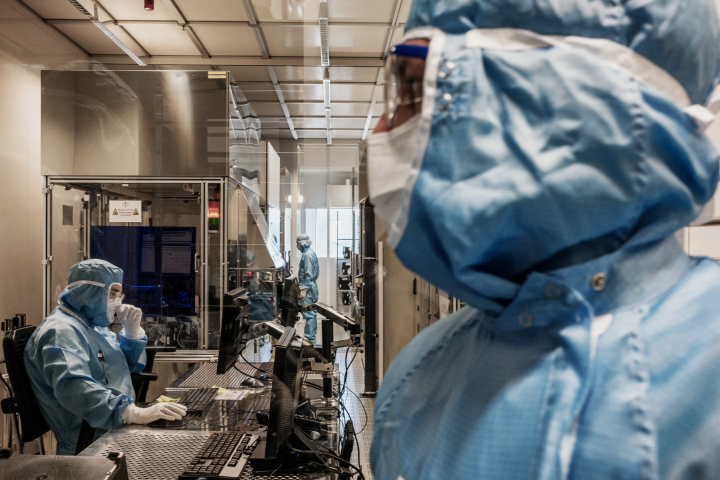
{"x": 327, "y": 338}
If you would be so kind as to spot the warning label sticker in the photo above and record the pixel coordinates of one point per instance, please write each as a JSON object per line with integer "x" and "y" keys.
{"x": 126, "y": 211}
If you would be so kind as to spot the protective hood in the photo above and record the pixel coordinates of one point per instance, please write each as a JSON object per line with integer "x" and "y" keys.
{"x": 88, "y": 288}
{"x": 304, "y": 241}
{"x": 548, "y": 155}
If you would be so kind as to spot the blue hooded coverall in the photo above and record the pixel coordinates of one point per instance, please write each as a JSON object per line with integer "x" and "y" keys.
{"x": 308, "y": 273}
{"x": 64, "y": 360}
{"x": 545, "y": 191}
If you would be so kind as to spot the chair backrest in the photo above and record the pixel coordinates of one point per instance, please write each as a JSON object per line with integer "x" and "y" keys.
{"x": 33, "y": 423}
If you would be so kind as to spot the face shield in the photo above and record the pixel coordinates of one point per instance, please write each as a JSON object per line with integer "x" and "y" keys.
{"x": 404, "y": 72}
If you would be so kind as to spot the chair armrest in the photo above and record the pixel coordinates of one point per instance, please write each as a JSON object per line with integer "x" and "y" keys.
{"x": 143, "y": 377}
{"x": 159, "y": 348}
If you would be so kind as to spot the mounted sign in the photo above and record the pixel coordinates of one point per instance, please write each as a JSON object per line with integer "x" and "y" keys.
{"x": 126, "y": 211}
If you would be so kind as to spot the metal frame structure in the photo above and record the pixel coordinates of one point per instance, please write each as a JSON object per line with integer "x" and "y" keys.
{"x": 51, "y": 182}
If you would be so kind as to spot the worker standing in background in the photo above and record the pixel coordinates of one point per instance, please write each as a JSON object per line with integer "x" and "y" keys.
{"x": 77, "y": 367}
{"x": 307, "y": 276}
{"x": 535, "y": 159}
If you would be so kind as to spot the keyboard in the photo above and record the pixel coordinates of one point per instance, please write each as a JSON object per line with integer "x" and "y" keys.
{"x": 197, "y": 399}
{"x": 224, "y": 455}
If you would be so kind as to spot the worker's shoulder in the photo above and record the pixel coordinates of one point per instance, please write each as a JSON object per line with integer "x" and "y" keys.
{"x": 445, "y": 333}
{"x": 58, "y": 323}
{"x": 703, "y": 278}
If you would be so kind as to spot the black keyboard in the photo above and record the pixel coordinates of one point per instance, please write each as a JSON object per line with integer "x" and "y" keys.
{"x": 197, "y": 399}
{"x": 224, "y": 455}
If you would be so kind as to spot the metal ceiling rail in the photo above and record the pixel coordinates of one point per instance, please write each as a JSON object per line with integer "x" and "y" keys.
{"x": 281, "y": 98}
{"x": 378, "y": 85}
{"x": 145, "y": 53}
{"x": 225, "y": 23}
{"x": 240, "y": 60}
{"x": 259, "y": 38}
{"x": 182, "y": 21}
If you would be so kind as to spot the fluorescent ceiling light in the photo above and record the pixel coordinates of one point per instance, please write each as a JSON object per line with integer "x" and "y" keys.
{"x": 324, "y": 47}
{"x": 107, "y": 32}
{"x": 119, "y": 43}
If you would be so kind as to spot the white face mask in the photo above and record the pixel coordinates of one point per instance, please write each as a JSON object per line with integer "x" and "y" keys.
{"x": 390, "y": 157}
{"x": 112, "y": 306}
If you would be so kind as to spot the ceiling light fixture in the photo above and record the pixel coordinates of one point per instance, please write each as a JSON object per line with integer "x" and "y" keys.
{"x": 149, "y": 5}
{"x": 94, "y": 19}
{"x": 324, "y": 47}
{"x": 326, "y": 88}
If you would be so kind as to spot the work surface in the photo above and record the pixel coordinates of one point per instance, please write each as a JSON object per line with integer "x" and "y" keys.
{"x": 159, "y": 454}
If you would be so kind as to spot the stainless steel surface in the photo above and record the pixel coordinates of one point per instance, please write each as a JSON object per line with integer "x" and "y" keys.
{"x": 150, "y": 454}
{"x": 134, "y": 123}
{"x": 205, "y": 376}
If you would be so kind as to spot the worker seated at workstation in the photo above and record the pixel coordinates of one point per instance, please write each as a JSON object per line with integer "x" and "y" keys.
{"x": 78, "y": 368}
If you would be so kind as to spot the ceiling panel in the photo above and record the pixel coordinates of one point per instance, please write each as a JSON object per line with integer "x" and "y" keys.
{"x": 286, "y": 10}
{"x": 133, "y": 10}
{"x": 163, "y": 39}
{"x": 293, "y": 40}
{"x": 350, "y": 93}
{"x": 289, "y": 73}
{"x": 313, "y": 93}
{"x": 348, "y": 122}
{"x": 228, "y": 40}
{"x": 350, "y": 109}
{"x": 64, "y": 9}
{"x": 248, "y": 74}
{"x": 347, "y": 134}
{"x": 353, "y": 74}
{"x": 307, "y": 109}
{"x": 404, "y": 11}
{"x": 380, "y": 11}
{"x": 267, "y": 109}
{"x": 311, "y": 133}
{"x": 258, "y": 91}
{"x": 20, "y": 36}
{"x": 350, "y": 41}
{"x": 222, "y": 10}
{"x": 303, "y": 122}
{"x": 92, "y": 39}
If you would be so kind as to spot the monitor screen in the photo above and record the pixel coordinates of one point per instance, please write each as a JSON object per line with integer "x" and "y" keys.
{"x": 232, "y": 327}
{"x": 287, "y": 376}
{"x": 290, "y": 301}
{"x": 157, "y": 262}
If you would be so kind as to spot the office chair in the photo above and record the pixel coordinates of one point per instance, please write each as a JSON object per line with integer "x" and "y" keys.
{"x": 141, "y": 380}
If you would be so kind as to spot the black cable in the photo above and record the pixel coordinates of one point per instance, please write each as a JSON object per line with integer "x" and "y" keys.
{"x": 253, "y": 366}
{"x": 329, "y": 454}
{"x": 247, "y": 374}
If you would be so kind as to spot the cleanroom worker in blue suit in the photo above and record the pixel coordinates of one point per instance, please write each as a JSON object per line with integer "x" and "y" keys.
{"x": 308, "y": 274}
{"x": 536, "y": 160}
{"x": 77, "y": 367}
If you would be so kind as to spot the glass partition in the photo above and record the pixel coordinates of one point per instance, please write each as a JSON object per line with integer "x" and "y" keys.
{"x": 158, "y": 234}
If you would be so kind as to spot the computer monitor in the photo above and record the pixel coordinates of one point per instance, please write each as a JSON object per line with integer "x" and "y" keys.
{"x": 286, "y": 384}
{"x": 236, "y": 308}
{"x": 290, "y": 301}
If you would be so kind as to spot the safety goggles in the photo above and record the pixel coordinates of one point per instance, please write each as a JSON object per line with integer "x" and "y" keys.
{"x": 115, "y": 294}
{"x": 404, "y": 71}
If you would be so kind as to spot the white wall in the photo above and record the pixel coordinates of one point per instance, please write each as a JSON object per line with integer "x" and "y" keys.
{"x": 26, "y": 47}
